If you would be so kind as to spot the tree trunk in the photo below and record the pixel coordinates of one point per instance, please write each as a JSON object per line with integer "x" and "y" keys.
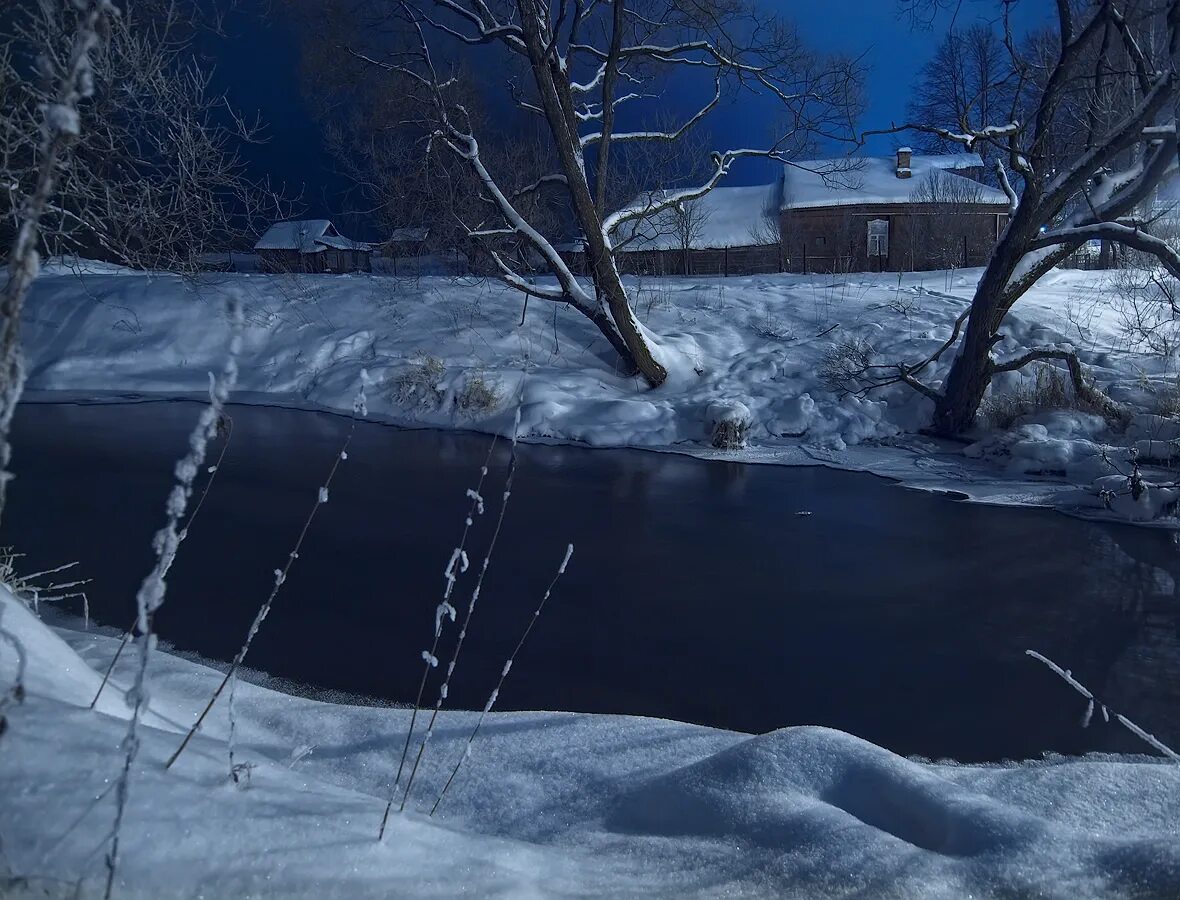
{"x": 628, "y": 340}
{"x": 605, "y": 324}
{"x": 963, "y": 391}
{"x": 557, "y": 102}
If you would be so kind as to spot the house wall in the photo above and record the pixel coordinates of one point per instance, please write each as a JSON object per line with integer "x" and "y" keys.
{"x": 330, "y": 260}
{"x": 835, "y": 239}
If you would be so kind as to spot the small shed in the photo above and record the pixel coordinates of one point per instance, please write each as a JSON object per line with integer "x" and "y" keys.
{"x": 402, "y": 251}
{"x": 311, "y": 245}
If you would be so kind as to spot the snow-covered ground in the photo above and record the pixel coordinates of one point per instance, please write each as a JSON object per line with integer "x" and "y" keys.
{"x": 451, "y": 352}
{"x": 548, "y": 805}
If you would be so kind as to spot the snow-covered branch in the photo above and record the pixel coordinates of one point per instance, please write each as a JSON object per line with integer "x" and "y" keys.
{"x": 653, "y": 206}
{"x": 669, "y": 136}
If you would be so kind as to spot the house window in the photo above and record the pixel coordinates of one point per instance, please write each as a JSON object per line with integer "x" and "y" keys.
{"x": 878, "y": 237}
{"x": 819, "y": 241}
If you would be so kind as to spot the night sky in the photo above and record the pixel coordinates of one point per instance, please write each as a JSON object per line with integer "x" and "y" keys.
{"x": 257, "y": 67}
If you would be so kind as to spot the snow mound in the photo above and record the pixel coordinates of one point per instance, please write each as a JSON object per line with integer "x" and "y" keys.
{"x": 860, "y": 821}
{"x": 51, "y": 667}
{"x": 551, "y": 804}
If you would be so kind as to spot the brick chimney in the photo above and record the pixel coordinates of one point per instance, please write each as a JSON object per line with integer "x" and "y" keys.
{"x": 903, "y": 162}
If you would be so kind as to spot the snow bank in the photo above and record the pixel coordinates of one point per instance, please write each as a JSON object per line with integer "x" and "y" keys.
{"x": 451, "y": 353}
{"x": 550, "y": 804}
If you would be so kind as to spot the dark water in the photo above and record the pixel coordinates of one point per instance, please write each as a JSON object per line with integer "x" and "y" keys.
{"x": 696, "y": 592}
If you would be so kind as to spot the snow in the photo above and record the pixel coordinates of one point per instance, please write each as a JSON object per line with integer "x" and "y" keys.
{"x": 294, "y": 235}
{"x": 724, "y": 217}
{"x": 547, "y": 804}
{"x": 812, "y": 183}
{"x": 425, "y": 345}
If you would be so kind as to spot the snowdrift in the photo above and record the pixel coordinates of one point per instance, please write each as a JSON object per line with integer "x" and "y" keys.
{"x": 549, "y": 805}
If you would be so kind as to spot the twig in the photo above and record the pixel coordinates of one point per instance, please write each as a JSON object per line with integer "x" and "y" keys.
{"x": 1067, "y": 676}
{"x": 442, "y": 611}
{"x": 214, "y": 469}
{"x": 280, "y": 575}
{"x": 445, "y": 687}
{"x": 495, "y": 695}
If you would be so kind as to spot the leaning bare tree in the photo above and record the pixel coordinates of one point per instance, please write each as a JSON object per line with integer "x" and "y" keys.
{"x": 1063, "y": 199}
{"x": 585, "y": 65}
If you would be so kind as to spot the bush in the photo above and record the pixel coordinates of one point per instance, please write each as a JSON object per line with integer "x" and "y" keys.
{"x": 845, "y": 364}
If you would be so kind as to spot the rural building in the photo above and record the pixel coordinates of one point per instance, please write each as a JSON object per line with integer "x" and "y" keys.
{"x": 899, "y": 213}
{"x": 730, "y": 230}
{"x": 401, "y": 253}
{"x": 311, "y": 245}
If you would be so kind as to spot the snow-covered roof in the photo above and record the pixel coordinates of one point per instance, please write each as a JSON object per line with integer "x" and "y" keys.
{"x": 816, "y": 183}
{"x": 411, "y": 235}
{"x": 306, "y": 236}
{"x": 725, "y": 217}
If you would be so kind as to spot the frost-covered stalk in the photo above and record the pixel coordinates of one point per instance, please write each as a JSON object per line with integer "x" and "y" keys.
{"x": 166, "y": 543}
{"x": 444, "y": 688}
{"x": 359, "y": 408}
{"x": 1067, "y": 676}
{"x": 443, "y": 611}
{"x": 495, "y": 695}
{"x": 213, "y": 470}
{"x": 60, "y": 127}
{"x": 16, "y": 693}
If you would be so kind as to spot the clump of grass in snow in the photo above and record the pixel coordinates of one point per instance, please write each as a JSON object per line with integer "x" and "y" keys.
{"x": 419, "y": 384}
{"x": 478, "y": 396}
{"x": 456, "y": 565}
{"x": 1047, "y": 390}
{"x": 33, "y": 588}
{"x": 444, "y": 688}
{"x": 845, "y": 363}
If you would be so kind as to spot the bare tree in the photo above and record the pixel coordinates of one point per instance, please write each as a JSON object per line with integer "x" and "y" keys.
{"x": 969, "y": 81}
{"x": 155, "y": 179}
{"x": 585, "y": 63}
{"x": 1066, "y": 199}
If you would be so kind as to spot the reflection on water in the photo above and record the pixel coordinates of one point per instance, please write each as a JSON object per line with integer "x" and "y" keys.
{"x": 696, "y": 590}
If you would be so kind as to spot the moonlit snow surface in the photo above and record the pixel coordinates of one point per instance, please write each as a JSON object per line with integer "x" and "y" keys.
{"x": 549, "y": 804}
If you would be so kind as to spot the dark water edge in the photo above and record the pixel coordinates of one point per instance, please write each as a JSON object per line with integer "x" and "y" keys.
{"x": 697, "y": 590}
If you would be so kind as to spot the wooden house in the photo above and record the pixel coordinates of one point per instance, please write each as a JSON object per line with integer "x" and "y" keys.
{"x": 899, "y": 213}
{"x": 311, "y": 245}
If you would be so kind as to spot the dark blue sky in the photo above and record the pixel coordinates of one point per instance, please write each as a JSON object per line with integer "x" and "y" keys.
{"x": 258, "y": 68}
